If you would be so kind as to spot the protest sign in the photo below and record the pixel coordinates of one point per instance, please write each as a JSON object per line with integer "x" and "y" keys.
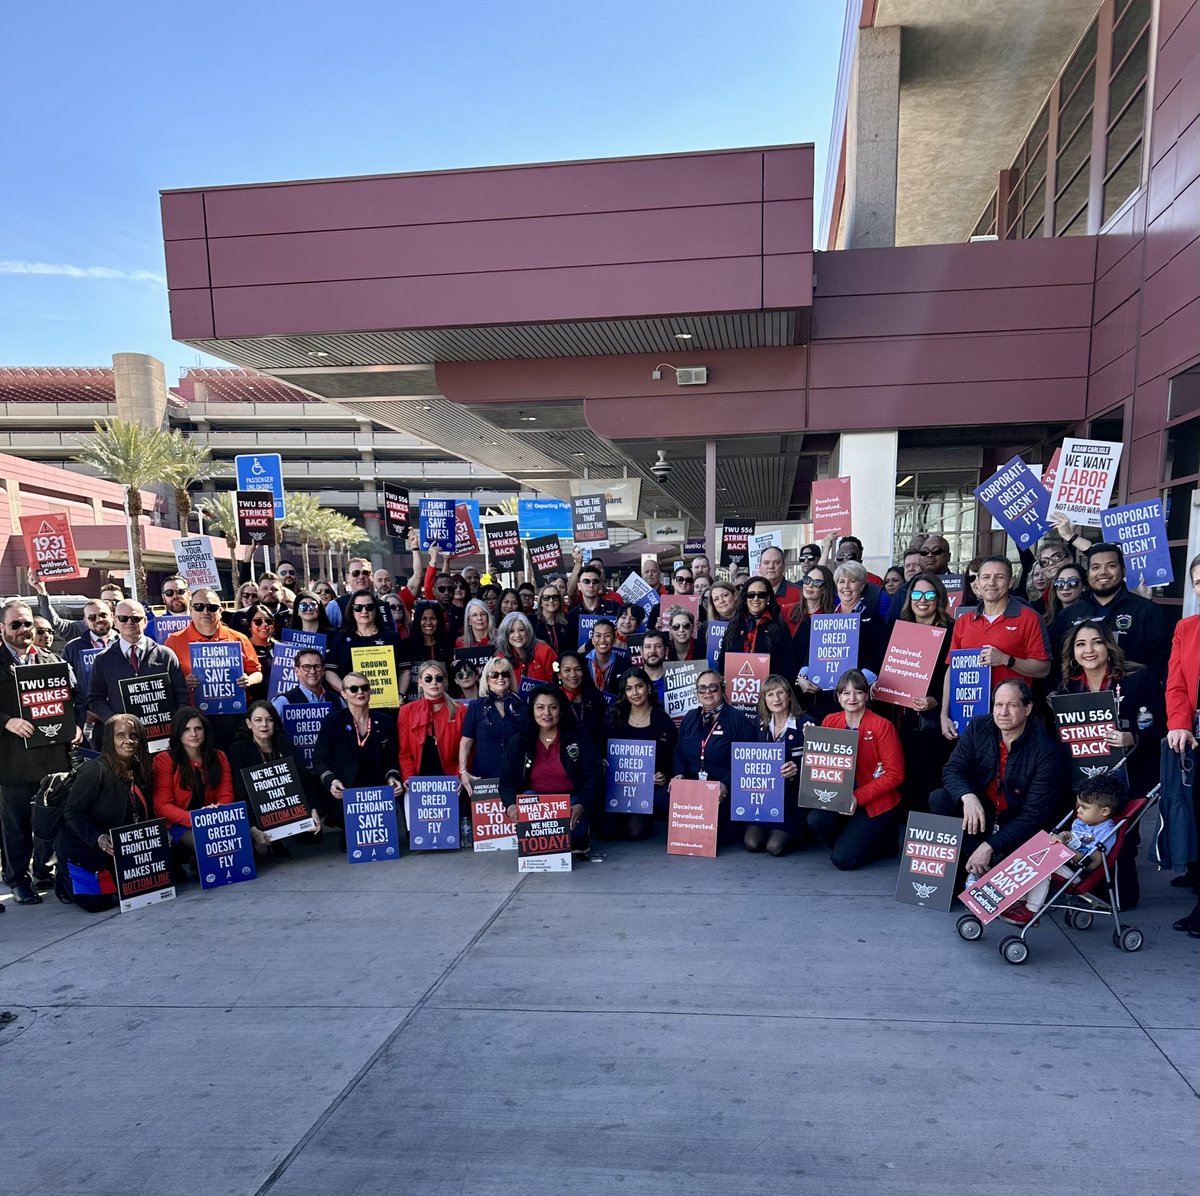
{"x": 1083, "y": 722}
{"x": 543, "y": 832}
{"x": 377, "y": 662}
{"x": 827, "y": 768}
{"x": 1050, "y": 472}
{"x": 1014, "y": 876}
{"x": 302, "y": 721}
{"x": 151, "y": 699}
{"x": 372, "y": 828}
{"x": 218, "y": 664}
{"x": 692, "y": 821}
{"x": 261, "y": 471}
{"x": 679, "y": 686}
{"x": 545, "y": 554}
{"x": 970, "y": 687}
{"x": 694, "y": 546}
{"x": 224, "y": 850}
{"x": 436, "y": 524}
{"x": 589, "y": 520}
{"x": 912, "y": 655}
{"x": 756, "y": 783}
{"x": 831, "y": 508}
{"x": 744, "y": 674}
{"x": 87, "y": 660}
{"x": 544, "y": 517}
{"x": 466, "y": 539}
{"x": 395, "y": 510}
{"x": 276, "y": 793}
{"x": 49, "y": 548}
{"x": 687, "y": 602}
{"x": 629, "y": 778}
{"x": 305, "y": 639}
{"x": 635, "y": 589}
{"x": 758, "y": 543}
{"x": 490, "y": 827}
{"x": 955, "y": 585}
{"x": 929, "y": 861}
{"x": 197, "y": 565}
{"x": 44, "y": 695}
{"x": 142, "y": 863}
{"x": 633, "y": 645}
{"x": 255, "y": 517}
{"x": 283, "y": 658}
{"x": 1083, "y": 485}
{"x": 714, "y": 636}
{"x": 1017, "y": 501}
{"x": 503, "y": 541}
{"x": 735, "y": 542}
{"x": 431, "y": 809}
{"x": 476, "y": 656}
{"x": 527, "y": 686}
{"x": 160, "y": 627}
{"x": 833, "y": 648}
{"x": 1141, "y": 531}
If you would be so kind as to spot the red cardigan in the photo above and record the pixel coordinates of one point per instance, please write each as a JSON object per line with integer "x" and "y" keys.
{"x": 878, "y": 744}
{"x": 171, "y": 798}
{"x": 1183, "y": 675}
{"x": 412, "y": 725}
{"x": 540, "y": 668}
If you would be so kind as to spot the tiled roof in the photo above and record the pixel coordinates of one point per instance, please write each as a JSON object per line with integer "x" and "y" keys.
{"x": 56, "y": 384}
{"x": 218, "y": 385}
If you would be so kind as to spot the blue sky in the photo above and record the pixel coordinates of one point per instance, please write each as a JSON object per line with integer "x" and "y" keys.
{"x": 136, "y": 97}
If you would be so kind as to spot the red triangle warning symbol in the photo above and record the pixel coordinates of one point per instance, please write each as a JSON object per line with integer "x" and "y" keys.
{"x": 46, "y": 529}
{"x": 1038, "y": 856}
{"x": 747, "y": 670}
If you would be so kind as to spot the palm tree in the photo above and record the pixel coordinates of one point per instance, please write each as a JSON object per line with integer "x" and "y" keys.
{"x": 300, "y": 514}
{"x": 221, "y": 512}
{"x": 324, "y": 527}
{"x": 133, "y": 456}
{"x": 189, "y": 463}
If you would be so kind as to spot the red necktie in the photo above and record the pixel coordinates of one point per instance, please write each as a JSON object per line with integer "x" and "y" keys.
{"x": 133, "y": 659}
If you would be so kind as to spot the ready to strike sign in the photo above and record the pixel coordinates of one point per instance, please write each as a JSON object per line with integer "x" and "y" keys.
{"x": 372, "y": 828}
{"x": 1013, "y": 877}
{"x": 629, "y": 780}
{"x": 1017, "y": 501}
{"x": 431, "y": 805}
{"x": 1084, "y": 722}
{"x": 142, "y": 863}
{"x": 1141, "y": 531}
{"x": 543, "y": 833}
{"x": 929, "y": 861}
{"x": 224, "y": 851}
{"x": 1083, "y": 485}
{"x": 833, "y": 648}
{"x": 827, "y": 769}
{"x": 44, "y": 692}
{"x": 970, "y": 686}
{"x": 49, "y": 547}
{"x": 490, "y": 828}
{"x": 756, "y": 793}
{"x": 277, "y": 795}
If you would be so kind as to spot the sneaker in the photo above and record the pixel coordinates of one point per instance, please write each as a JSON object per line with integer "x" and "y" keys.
{"x": 1017, "y": 915}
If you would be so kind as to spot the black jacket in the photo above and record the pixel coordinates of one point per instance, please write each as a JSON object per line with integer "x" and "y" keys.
{"x": 1035, "y": 777}
{"x": 774, "y": 639}
{"x": 579, "y": 761}
{"x": 337, "y": 756}
{"x": 97, "y": 803}
{"x": 1138, "y": 625}
{"x": 21, "y": 765}
{"x": 108, "y": 669}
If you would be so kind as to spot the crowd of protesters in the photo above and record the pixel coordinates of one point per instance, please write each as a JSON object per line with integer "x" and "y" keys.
{"x": 526, "y": 684}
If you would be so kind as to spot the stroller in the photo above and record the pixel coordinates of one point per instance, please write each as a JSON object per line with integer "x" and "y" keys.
{"x": 1084, "y": 896}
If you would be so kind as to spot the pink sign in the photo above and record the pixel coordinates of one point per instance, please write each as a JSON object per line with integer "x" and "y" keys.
{"x": 908, "y": 664}
{"x": 744, "y": 674}
{"x": 831, "y": 507}
{"x": 1012, "y": 878}
{"x": 692, "y": 823}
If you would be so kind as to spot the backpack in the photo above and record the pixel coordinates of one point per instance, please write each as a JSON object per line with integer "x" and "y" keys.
{"x": 49, "y": 801}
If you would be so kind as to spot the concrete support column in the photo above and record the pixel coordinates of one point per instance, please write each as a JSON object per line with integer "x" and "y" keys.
{"x": 710, "y": 502}
{"x": 872, "y": 139}
{"x": 869, "y": 460}
{"x": 141, "y": 388}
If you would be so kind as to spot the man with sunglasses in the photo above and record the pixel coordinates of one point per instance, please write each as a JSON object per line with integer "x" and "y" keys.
{"x": 849, "y": 548}
{"x": 590, "y": 598}
{"x": 24, "y": 761}
{"x": 360, "y": 580}
{"x": 131, "y": 654}
{"x": 80, "y": 654}
{"x": 287, "y": 574}
{"x": 175, "y": 598}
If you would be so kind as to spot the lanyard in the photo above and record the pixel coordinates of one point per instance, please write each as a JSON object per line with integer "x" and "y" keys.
{"x": 712, "y": 732}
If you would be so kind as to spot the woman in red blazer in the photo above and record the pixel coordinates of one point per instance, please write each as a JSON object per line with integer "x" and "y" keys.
{"x": 870, "y": 831}
{"x": 1183, "y": 675}
{"x": 430, "y": 728}
{"x": 189, "y": 775}
{"x": 530, "y": 658}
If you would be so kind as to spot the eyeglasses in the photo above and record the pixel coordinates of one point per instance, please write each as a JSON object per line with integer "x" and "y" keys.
{"x": 935, "y": 552}
{"x": 1047, "y": 561}
{"x": 359, "y": 609}
{"x": 589, "y": 581}
{"x": 120, "y": 619}
{"x": 207, "y": 608}
{"x": 441, "y": 589}
{"x": 505, "y": 673}
{"x": 173, "y": 593}
{"x": 306, "y": 607}
{"x": 926, "y": 595}
{"x": 681, "y": 627}
{"x": 360, "y": 572}
{"x": 261, "y": 622}
{"x": 814, "y": 581}
{"x": 707, "y": 689}
{"x": 552, "y": 598}
{"x": 1067, "y": 583}
{"x": 309, "y": 668}
{"x": 687, "y": 581}
{"x": 357, "y": 689}
{"x": 757, "y": 595}
{"x": 972, "y": 578}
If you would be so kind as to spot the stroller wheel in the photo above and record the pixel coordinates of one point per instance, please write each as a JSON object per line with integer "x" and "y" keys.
{"x": 1130, "y": 939}
{"x": 1080, "y": 919}
{"x": 1014, "y": 949}
{"x": 970, "y": 928}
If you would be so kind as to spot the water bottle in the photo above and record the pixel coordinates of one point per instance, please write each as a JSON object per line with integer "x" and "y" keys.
{"x": 1144, "y": 719}
{"x": 464, "y": 832}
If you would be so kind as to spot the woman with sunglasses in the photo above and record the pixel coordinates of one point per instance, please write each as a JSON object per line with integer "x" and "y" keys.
{"x": 366, "y": 628}
{"x": 429, "y": 729}
{"x": 309, "y": 615}
{"x": 925, "y": 748}
{"x": 780, "y": 721}
{"x": 527, "y": 592}
{"x": 550, "y": 622}
{"x": 817, "y": 597}
{"x": 490, "y": 720}
{"x": 681, "y": 634}
{"x": 397, "y": 609}
{"x": 584, "y": 703}
{"x": 1068, "y": 587}
{"x": 356, "y": 747}
{"x": 757, "y": 627}
{"x": 529, "y": 657}
{"x": 870, "y": 831}
{"x": 260, "y": 630}
{"x": 638, "y": 714}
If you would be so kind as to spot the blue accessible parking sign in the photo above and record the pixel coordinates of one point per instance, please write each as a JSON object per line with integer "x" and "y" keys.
{"x": 261, "y": 471}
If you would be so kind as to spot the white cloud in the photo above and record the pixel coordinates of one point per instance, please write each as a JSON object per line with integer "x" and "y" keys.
{"x": 68, "y": 271}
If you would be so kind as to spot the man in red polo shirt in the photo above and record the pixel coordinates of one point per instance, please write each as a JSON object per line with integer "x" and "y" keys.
{"x": 1010, "y": 633}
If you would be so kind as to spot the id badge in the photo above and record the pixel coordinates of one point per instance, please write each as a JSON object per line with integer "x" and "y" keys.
{"x": 702, "y": 775}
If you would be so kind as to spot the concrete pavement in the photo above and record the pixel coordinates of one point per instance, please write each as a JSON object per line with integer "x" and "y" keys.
{"x": 644, "y": 1025}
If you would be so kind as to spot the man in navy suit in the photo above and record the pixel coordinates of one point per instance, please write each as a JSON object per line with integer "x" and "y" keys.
{"x": 98, "y": 618}
{"x": 117, "y": 662}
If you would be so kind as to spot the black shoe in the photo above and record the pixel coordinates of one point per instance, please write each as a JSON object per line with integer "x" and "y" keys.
{"x": 1188, "y": 880}
{"x": 43, "y": 884}
{"x": 23, "y": 893}
{"x": 279, "y": 852}
{"x": 342, "y": 841}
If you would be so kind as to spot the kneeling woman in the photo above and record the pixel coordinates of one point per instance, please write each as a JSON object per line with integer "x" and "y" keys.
{"x": 549, "y": 755}
{"x": 780, "y": 721}
{"x": 869, "y": 833}
{"x": 638, "y": 714}
{"x": 112, "y": 790}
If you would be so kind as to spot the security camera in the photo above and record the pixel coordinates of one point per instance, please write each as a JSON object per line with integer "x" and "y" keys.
{"x": 662, "y": 467}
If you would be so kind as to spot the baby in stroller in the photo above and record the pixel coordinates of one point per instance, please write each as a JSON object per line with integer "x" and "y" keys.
{"x": 1094, "y": 830}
